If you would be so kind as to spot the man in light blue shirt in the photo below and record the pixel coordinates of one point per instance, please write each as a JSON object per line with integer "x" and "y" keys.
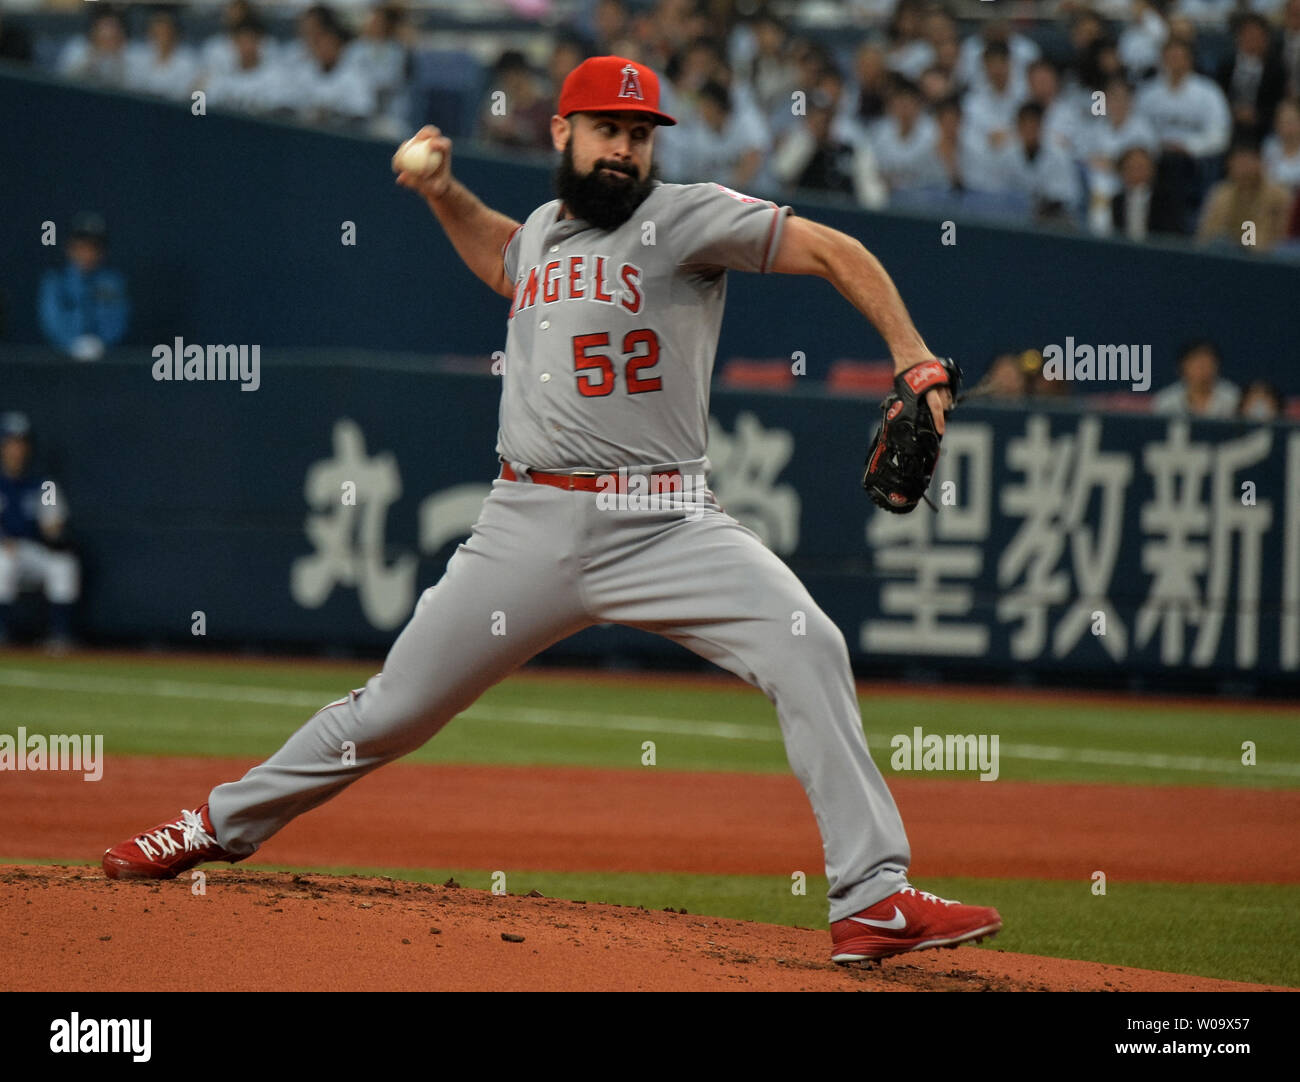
{"x": 83, "y": 305}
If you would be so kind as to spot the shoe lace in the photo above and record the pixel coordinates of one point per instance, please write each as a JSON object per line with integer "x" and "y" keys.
{"x": 926, "y": 896}
{"x": 160, "y": 843}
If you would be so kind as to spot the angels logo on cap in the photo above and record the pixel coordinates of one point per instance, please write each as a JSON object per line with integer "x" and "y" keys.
{"x": 612, "y": 84}
{"x": 631, "y": 87}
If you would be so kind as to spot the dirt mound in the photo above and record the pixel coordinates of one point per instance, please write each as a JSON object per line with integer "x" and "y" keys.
{"x": 70, "y": 929}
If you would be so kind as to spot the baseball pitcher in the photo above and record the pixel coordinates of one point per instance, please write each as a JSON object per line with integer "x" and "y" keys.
{"x": 601, "y": 512}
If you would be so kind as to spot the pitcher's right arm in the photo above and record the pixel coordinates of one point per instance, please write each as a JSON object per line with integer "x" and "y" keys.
{"x": 478, "y": 233}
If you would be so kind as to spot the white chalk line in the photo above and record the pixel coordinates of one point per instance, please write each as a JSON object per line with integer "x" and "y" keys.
{"x": 638, "y": 723}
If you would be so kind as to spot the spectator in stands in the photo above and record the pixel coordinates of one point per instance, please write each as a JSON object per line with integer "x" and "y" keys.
{"x": 1040, "y": 170}
{"x": 811, "y": 61}
{"x": 1184, "y": 29}
{"x": 1199, "y": 391}
{"x": 1102, "y": 140}
{"x": 610, "y": 23}
{"x": 219, "y": 53}
{"x": 989, "y": 120}
{"x": 935, "y": 85}
{"x": 1189, "y": 112}
{"x": 1093, "y": 68}
{"x": 909, "y": 51}
{"x": 83, "y": 306}
{"x": 905, "y": 142}
{"x": 164, "y": 65}
{"x": 567, "y": 53}
{"x": 769, "y": 72}
{"x": 704, "y": 61}
{"x": 331, "y": 90}
{"x": 256, "y": 82}
{"x": 945, "y": 45}
{"x": 34, "y": 549}
{"x": 641, "y": 42}
{"x": 677, "y": 23}
{"x": 515, "y": 111}
{"x": 15, "y": 42}
{"x": 949, "y": 148}
{"x": 1086, "y": 29}
{"x": 972, "y": 65}
{"x": 1282, "y": 148}
{"x": 100, "y": 56}
{"x": 871, "y": 82}
{"x": 1007, "y": 377}
{"x": 1191, "y": 119}
{"x": 1253, "y": 77}
{"x": 1245, "y": 209}
{"x": 380, "y": 53}
{"x": 813, "y": 158}
{"x": 845, "y": 126}
{"x": 1039, "y": 385}
{"x": 1139, "y": 208}
{"x": 700, "y": 62}
{"x": 720, "y": 143}
{"x": 1142, "y": 39}
{"x": 299, "y": 54}
{"x": 1261, "y": 401}
{"x": 1061, "y": 115}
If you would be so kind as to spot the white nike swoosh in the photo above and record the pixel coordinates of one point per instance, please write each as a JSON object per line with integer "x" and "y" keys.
{"x": 896, "y": 921}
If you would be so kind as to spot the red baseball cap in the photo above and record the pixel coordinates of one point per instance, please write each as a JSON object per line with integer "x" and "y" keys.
{"x": 612, "y": 84}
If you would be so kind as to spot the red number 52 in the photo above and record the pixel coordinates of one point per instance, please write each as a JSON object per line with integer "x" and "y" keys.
{"x": 595, "y": 371}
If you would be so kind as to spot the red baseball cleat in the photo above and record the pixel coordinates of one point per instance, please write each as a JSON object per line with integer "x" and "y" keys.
{"x": 167, "y": 850}
{"x": 910, "y": 920}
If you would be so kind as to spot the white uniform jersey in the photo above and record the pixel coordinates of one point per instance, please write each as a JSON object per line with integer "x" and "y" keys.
{"x": 1195, "y": 113}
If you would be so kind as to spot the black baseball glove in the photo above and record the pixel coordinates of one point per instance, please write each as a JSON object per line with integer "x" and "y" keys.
{"x": 905, "y": 448}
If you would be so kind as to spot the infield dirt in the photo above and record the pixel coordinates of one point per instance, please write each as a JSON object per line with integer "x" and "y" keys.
{"x": 70, "y": 929}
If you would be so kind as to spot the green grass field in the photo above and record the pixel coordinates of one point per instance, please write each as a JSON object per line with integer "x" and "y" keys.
{"x": 149, "y": 706}
{"x": 221, "y": 708}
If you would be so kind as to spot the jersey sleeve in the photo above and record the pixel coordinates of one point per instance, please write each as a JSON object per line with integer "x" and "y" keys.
{"x": 510, "y": 254}
{"x": 718, "y": 227}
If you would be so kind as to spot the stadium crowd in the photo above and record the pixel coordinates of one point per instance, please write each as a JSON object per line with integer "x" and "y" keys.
{"x": 1126, "y": 117}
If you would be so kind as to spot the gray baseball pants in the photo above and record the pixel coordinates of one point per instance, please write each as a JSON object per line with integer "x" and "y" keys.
{"x": 543, "y": 563}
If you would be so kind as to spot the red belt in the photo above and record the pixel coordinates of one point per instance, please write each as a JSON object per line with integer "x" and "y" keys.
{"x": 609, "y": 481}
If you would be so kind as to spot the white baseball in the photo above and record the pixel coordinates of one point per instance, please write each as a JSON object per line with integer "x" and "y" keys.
{"x": 418, "y": 157}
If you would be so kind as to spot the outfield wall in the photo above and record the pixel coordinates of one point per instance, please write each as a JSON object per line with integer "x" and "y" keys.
{"x": 1065, "y": 541}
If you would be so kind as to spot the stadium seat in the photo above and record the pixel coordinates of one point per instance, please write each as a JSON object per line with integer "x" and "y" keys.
{"x": 744, "y": 372}
{"x": 1120, "y": 402}
{"x": 871, "y": 379}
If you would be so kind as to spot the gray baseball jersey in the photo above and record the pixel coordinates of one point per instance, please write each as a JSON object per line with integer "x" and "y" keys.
{"x": 612, "y": 334}
{"x": 608, "y": 362}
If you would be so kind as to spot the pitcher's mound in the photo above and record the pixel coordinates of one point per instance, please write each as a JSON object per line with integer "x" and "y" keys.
{"x": 70, "y": 929}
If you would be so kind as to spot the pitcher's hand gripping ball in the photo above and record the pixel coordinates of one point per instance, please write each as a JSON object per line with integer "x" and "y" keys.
{"x": 417, "y": 156}
{"x": 903, "y": 453}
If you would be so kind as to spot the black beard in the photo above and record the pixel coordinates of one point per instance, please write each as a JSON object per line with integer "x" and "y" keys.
{"x": 603, "y": 201}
